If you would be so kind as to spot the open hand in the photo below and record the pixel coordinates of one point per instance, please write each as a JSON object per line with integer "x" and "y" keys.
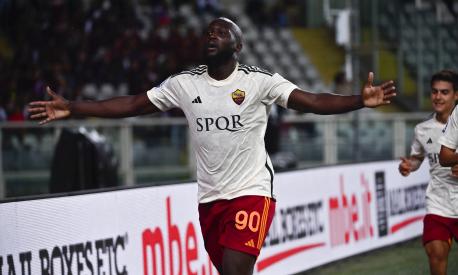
{"x": 56, "y": 108}
{"x": 374, "y": 96}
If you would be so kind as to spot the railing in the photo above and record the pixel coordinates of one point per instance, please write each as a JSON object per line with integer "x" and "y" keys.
{"x": 158, "y": 149}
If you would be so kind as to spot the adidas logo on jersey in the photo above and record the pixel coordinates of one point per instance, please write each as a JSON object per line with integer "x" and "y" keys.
{"x": 250, "y": 243}
{"x": 429, "y": 141}
{"x": 197, "y": 100}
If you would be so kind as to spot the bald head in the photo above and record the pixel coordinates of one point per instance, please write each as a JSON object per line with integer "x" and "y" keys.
{"x": 223, "y": 42}
{"x": 234, "y": 28}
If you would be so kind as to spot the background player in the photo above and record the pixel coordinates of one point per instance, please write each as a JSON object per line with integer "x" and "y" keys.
{"x": 227, "y": 106}
{"x": 441, "y": 220}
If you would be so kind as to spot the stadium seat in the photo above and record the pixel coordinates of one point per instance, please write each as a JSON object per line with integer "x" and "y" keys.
{"x": 123, "y": 89}
{"x": 285, "y": 35}
{"x": 90, "y": 91}
{"x": 277, "y": 48}
{"x": 261, "y": 48}
{"x": 106, "y": 91}
{"x": 269, "y": 62}
{"x": 269, "y": 35}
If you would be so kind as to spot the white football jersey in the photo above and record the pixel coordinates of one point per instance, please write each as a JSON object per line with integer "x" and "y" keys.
{"x": 450, "y": 136}
{"x": 442, "y": 191}
{"x": 227, "y": 120}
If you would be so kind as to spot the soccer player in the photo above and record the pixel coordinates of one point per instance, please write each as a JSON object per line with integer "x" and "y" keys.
{"x": 441, "y": 220}
{"x": 226, "y": 105}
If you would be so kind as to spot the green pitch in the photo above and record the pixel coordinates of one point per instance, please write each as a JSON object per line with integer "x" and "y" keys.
{"x": 404, "y": 258}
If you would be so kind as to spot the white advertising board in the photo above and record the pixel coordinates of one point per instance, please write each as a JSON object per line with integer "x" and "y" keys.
{"x": 322, "y": 215}
{"x": 331, "y": 213}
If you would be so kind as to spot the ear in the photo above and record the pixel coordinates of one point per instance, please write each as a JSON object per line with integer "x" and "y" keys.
{"x": 238, "y": 47}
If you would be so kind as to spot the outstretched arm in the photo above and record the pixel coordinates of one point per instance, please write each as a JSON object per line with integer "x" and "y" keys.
{"x": 326, "y": 104}
{"x": 59, "y": 108}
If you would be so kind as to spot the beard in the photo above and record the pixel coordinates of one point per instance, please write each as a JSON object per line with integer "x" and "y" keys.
{"x": 220, "y": 57}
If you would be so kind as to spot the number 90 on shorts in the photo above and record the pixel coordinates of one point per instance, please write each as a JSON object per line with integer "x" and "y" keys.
{"x": 240, "y": 224}
{"x": 244, "y": 219}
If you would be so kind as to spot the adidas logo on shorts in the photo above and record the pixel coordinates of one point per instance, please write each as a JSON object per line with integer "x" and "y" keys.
{"x": 250, "y": 243}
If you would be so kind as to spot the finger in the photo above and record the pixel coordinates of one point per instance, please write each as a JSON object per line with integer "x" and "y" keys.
{"x": 370, "y": 78}
{"x": 405, "y": 162}
{"x": 40, "y": 115}
{"x": 405, "y": 172}
{"x": 387, "y": 84}
{"x": 45, "y": 121}
{"x": 404, "y": 166}
{"x": 388, "y": 96}
{"x": 36, "y": 109}
{"x": 51, "y": 92}
{"x": 38, "y": 103}
{"x": 391, "y": 89}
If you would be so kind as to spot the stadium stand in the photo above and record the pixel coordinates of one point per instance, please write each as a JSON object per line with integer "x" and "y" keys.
{"x": 426, "y": 34}
{"x": 108, "y": 48}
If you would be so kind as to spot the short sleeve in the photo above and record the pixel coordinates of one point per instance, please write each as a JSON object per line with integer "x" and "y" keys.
{"x": 416, "y": 149}
{"x": 165, "y": 96}
{"x": 450, "y": 137}
{"x": 277, "y": 90}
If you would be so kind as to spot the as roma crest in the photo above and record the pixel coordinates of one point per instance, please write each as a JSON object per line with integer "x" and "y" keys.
{"x": 238, "y": 96}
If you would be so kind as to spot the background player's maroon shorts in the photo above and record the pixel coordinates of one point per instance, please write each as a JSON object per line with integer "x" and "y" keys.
{"x": 240, "y": 224}
{"x": 436, "y": 227}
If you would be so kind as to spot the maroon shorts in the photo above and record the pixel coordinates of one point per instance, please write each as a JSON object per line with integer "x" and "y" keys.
{"x": 240, "y": 224}
{"x": 436, "y": 227}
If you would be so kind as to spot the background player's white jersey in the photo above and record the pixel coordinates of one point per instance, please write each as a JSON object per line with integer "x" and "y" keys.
{"x": 450, "y": 136}
{"x": 442, "y": 191}
{"x": 227, "y": 120}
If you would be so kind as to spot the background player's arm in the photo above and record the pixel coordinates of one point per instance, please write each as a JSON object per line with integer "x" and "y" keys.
{"x": 59, "y": 108}
{"x": 448, "y": 157}
{"x": 371, "y": 96}
{"x": 410, "y": 164}
{"x": 449, "y": 140}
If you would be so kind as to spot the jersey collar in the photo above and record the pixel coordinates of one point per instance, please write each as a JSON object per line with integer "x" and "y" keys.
{"x": 219, "y": 83}
{"x": 437, "y": 121}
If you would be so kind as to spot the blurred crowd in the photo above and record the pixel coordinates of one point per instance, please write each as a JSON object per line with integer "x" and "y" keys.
{"x": 276, "y": 13}
{"x": 68, "y": 44}
{"x": 132, "y": 45}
